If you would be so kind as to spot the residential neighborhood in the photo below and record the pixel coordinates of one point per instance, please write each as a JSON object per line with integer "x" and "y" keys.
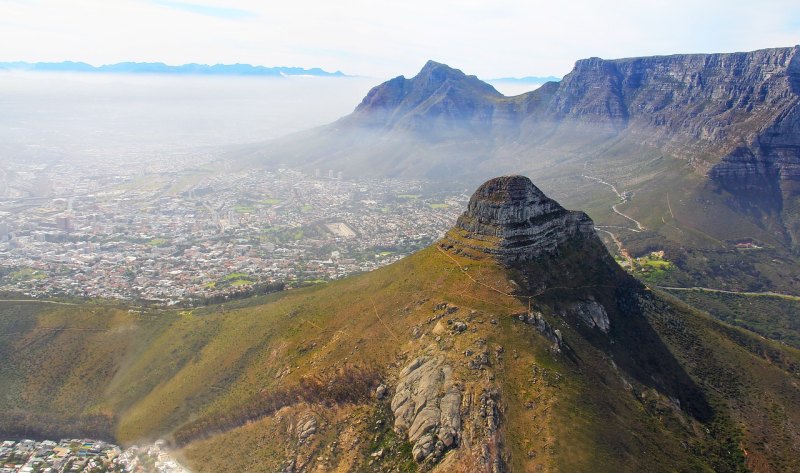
{"x": 84, "y": 455}
{"x": 167, "y": 237}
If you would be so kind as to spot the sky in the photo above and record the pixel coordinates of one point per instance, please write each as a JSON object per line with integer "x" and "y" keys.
{"x": 386, "y": 38}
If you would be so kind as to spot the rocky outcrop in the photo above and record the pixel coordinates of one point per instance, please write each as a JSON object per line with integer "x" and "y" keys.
{"x": 305, "y": 428}
{"x": 426, "y": 407}
{"x": 689, "y": 104}
{"x": 536, "y": 319}
{"x": 510, "y": 218}
{"x": 591, "y": 313}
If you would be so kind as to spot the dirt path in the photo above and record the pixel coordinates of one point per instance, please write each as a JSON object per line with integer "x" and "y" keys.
{"x": 38, "y": 301}
{"x": 740, "y": 293}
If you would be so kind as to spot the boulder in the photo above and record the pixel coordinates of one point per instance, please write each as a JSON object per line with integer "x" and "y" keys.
{"x": 427, "y": 406}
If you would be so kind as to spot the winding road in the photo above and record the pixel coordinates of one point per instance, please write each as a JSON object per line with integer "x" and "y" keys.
{"x": 639, "y": 226}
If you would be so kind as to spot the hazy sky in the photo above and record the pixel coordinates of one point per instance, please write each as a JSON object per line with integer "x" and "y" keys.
{"x": 492, "y": 38}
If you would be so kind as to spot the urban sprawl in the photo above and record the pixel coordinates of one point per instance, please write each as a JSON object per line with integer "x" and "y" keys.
{"x": 174, "y": 232}
{"x": 83, "y": 456}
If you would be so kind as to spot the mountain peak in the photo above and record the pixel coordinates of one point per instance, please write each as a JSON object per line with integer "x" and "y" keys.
{"x": 509, "y": 218}
{"x": 438, "y": 101}
{"x": 431, "y": 64}
{"x": 438, "y": 68}
{"x": 435, "y": 74}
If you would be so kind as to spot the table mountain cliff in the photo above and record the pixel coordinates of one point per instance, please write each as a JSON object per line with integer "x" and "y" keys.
{"x": 733, "y": 118}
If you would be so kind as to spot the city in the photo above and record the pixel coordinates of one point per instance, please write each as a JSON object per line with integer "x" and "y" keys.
{"x": 83, "y": 455}
{"x": 176, "y": 232}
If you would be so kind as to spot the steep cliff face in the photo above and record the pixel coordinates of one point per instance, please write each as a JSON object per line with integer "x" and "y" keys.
{"x": 712, "y": 102}
{"x": 735, "y": 115}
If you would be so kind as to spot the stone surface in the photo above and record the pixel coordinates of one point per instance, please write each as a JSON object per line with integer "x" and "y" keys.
{"x": 306, "y": 427}
{"x": 427, "y": 406}
{"x": 591, "y": 313}
{"x": 510, "y": 218}
{"x": 536, "y": 319}
{"x": 459, "y": 327}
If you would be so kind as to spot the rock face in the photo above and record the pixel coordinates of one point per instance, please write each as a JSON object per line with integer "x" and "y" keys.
{"x": 426, "y": 407}
{"x": 591, "y": 313}
{"x": 537, "y": 320}
{"x": 511, "y": 219}
{"x": 735, "y": 116}
{"x": 305, "y": 428}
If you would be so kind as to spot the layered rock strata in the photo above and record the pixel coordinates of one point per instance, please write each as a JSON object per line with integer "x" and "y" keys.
{"x": 510, "y": 218}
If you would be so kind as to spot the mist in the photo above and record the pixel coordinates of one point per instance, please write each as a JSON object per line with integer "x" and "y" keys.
{"x": 89, "y": 117}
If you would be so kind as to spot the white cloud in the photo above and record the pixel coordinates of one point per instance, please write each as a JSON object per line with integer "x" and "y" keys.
{"x": 386, "y": 38}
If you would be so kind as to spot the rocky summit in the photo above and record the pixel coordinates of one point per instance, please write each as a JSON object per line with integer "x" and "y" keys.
{"x": 510, "y": 218}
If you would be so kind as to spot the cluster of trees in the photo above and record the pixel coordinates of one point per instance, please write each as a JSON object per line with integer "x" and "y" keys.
{"x": 348, "y": 385}
{"x": 242, "y": 292}
{"x": 41, "y": 426}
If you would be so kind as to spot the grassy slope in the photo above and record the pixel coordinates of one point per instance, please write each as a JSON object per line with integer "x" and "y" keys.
{"x": 153, "y": 373}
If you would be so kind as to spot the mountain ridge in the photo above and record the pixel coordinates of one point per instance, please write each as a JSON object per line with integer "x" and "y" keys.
{"x": 732, "y": 118}
{"x": 604, "y": 92}
{"x": 129, "y": 67}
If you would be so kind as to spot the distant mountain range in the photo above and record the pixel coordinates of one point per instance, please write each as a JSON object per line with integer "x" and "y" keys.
{"x": 730, "y": 120}
{"x": 527, "y": 80}
{"x": 161, "y": 68}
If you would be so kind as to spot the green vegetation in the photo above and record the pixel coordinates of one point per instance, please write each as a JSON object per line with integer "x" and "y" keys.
{"x": 24, "y": 274}
{"x": 772, "y": 317}
{"x": 230, "y": 382}
{"x": 652, "y": 267}
{"x": 235, "y": 276}
{"x": 158, "y": 242}
{"x": 241, "y": 282}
